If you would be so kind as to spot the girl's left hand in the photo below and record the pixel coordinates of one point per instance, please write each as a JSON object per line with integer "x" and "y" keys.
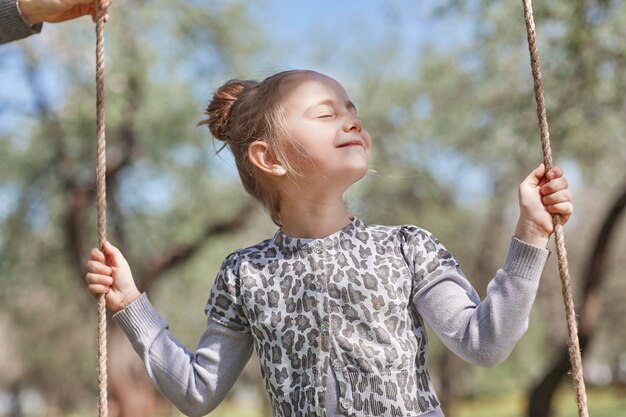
{"x": 541, "y": 195}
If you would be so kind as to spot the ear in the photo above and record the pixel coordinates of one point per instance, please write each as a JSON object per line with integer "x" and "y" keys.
{"x": 260, "y": 154}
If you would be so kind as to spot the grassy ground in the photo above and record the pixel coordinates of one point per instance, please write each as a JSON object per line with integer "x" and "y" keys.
{"x": 609, "y": 402}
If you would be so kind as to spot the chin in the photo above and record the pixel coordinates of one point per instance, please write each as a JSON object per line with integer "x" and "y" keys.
{"x": 356, "y": 172}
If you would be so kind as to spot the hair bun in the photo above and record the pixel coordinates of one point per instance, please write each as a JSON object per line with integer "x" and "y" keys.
{"x": 220, "y": 108}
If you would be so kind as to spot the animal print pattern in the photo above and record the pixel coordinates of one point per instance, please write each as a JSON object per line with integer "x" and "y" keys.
{"x": 344, "y": 301}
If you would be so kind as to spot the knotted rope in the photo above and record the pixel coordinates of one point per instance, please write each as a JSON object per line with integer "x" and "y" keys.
{"x": 102, "y": 204}
{"x": 570, "y": 314}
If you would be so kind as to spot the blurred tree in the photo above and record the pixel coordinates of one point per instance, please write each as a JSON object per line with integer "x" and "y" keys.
{"x": 542, "y": 394}
{"x": 154, "y": 216}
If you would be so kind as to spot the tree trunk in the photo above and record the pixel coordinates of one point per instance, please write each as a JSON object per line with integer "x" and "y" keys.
{"x": 15, "y": 403}
{"x": 540, "y": 401}
{"x": 130, "y": 392}
{"x": 451, "y": 366}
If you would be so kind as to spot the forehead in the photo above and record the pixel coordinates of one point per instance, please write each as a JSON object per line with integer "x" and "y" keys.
{"x": 308, "y": 88}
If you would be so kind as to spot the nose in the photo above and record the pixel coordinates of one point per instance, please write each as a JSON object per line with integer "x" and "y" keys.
{"x": 353, "y": 123}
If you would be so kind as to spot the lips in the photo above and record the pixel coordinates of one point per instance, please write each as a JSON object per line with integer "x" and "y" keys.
{"x": 354, "y": 142}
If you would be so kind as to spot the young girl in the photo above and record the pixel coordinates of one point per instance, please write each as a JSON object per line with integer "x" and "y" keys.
{"x": 334, "y": 308}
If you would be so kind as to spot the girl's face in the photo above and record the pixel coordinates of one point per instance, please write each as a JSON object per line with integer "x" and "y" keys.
{"x": 322, "y": 120}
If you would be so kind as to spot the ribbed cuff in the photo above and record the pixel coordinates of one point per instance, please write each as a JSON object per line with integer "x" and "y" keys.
{"x": 524, "y": 260}
{"x": 13, "y": 25}
{"x": 140, "y": 321}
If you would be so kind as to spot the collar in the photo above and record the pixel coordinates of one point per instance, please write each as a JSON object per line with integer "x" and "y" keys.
{"x": 333, "y": 240}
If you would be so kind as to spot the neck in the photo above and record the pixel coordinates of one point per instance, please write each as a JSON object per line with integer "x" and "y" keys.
{"x": 313, "y": 218}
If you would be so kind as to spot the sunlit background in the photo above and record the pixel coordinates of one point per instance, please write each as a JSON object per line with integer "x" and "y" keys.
{"x": 444, "y": 87}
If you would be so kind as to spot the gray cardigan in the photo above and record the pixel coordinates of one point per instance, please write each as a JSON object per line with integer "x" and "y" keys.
{"x": 12, "y": 25}
{"x": 483, "y": 333}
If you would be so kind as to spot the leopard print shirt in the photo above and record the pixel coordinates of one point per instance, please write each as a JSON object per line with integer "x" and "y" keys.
{"x": 342, "y": 301}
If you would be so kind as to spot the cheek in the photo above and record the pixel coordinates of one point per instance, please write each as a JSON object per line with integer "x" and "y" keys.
{"x": 313, "y": 147}
{"x": 368, "y": 138}
{"x": 304, "y": 154}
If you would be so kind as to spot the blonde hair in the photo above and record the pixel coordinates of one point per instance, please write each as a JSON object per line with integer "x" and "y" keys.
{"x": 244, "y": 111}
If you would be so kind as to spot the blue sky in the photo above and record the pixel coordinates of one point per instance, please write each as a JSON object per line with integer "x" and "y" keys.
{"x": 306, "y": 31}
{"x": 308, "y": 34}
{"x": 307, "y": 28}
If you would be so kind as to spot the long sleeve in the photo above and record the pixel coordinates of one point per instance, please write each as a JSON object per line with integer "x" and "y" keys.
{"x": 194, "y": 382}
{"x": 483, "y": 332}
{"x": 12, "y": 25}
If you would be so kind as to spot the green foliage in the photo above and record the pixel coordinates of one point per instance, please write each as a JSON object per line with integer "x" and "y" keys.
{"x": 166, "y": 193}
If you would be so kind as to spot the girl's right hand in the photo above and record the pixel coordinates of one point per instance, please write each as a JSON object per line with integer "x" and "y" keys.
{"x": 108, "y": 273}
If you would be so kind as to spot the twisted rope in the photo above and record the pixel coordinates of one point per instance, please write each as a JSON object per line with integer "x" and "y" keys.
{"x": 566, "y": 285}
{"x": 101, "y": 203}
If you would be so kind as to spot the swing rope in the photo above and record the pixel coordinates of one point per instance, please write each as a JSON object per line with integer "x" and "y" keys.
{"x": 101, "y": 203}
{"x": 574, "y": 348}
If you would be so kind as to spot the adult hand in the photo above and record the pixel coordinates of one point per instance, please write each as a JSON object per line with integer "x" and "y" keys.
{"x": 38, "y": 11}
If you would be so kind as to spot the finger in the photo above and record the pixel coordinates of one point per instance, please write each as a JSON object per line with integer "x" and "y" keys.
{"x": 564, "y": 209}
{"x": 98, "y": 268}
{"x": 554, "y": 172}
{"x": 97, "y": 255}
{"x": 561, "y": 196}
{"x": 103, "y": 10}
{"x": 535, "y": 177}
{"x": 114, "y": 256}
{"x": 98, "y": 279}
{"x": 555, "y": 185}
{"x": 96, "y": 289}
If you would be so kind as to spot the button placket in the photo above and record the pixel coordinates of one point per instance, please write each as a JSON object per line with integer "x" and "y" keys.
{"x": 339, "y": 368}
{"x": 345, "y": 402}
{"x": 345, "y": 393}
{"x": 318, "y": 285}
{"x": 317, "y": 258}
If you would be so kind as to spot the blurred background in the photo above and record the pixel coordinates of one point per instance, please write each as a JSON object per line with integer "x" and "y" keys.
{"x": 444, "y": 87}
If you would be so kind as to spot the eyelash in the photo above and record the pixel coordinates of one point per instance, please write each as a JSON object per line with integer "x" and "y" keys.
{"x": 329, "y": 115}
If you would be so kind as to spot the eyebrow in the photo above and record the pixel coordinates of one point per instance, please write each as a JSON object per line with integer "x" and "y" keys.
{"x": 349, "y": 104}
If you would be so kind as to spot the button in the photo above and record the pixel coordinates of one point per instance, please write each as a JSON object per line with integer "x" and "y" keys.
{"x": 337, "y": 366}
{"x": 317, "y": 285}
{"x": 346, "y": 403}
{"x": 325, "y": 327}
{"x": 318, "y": 247}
